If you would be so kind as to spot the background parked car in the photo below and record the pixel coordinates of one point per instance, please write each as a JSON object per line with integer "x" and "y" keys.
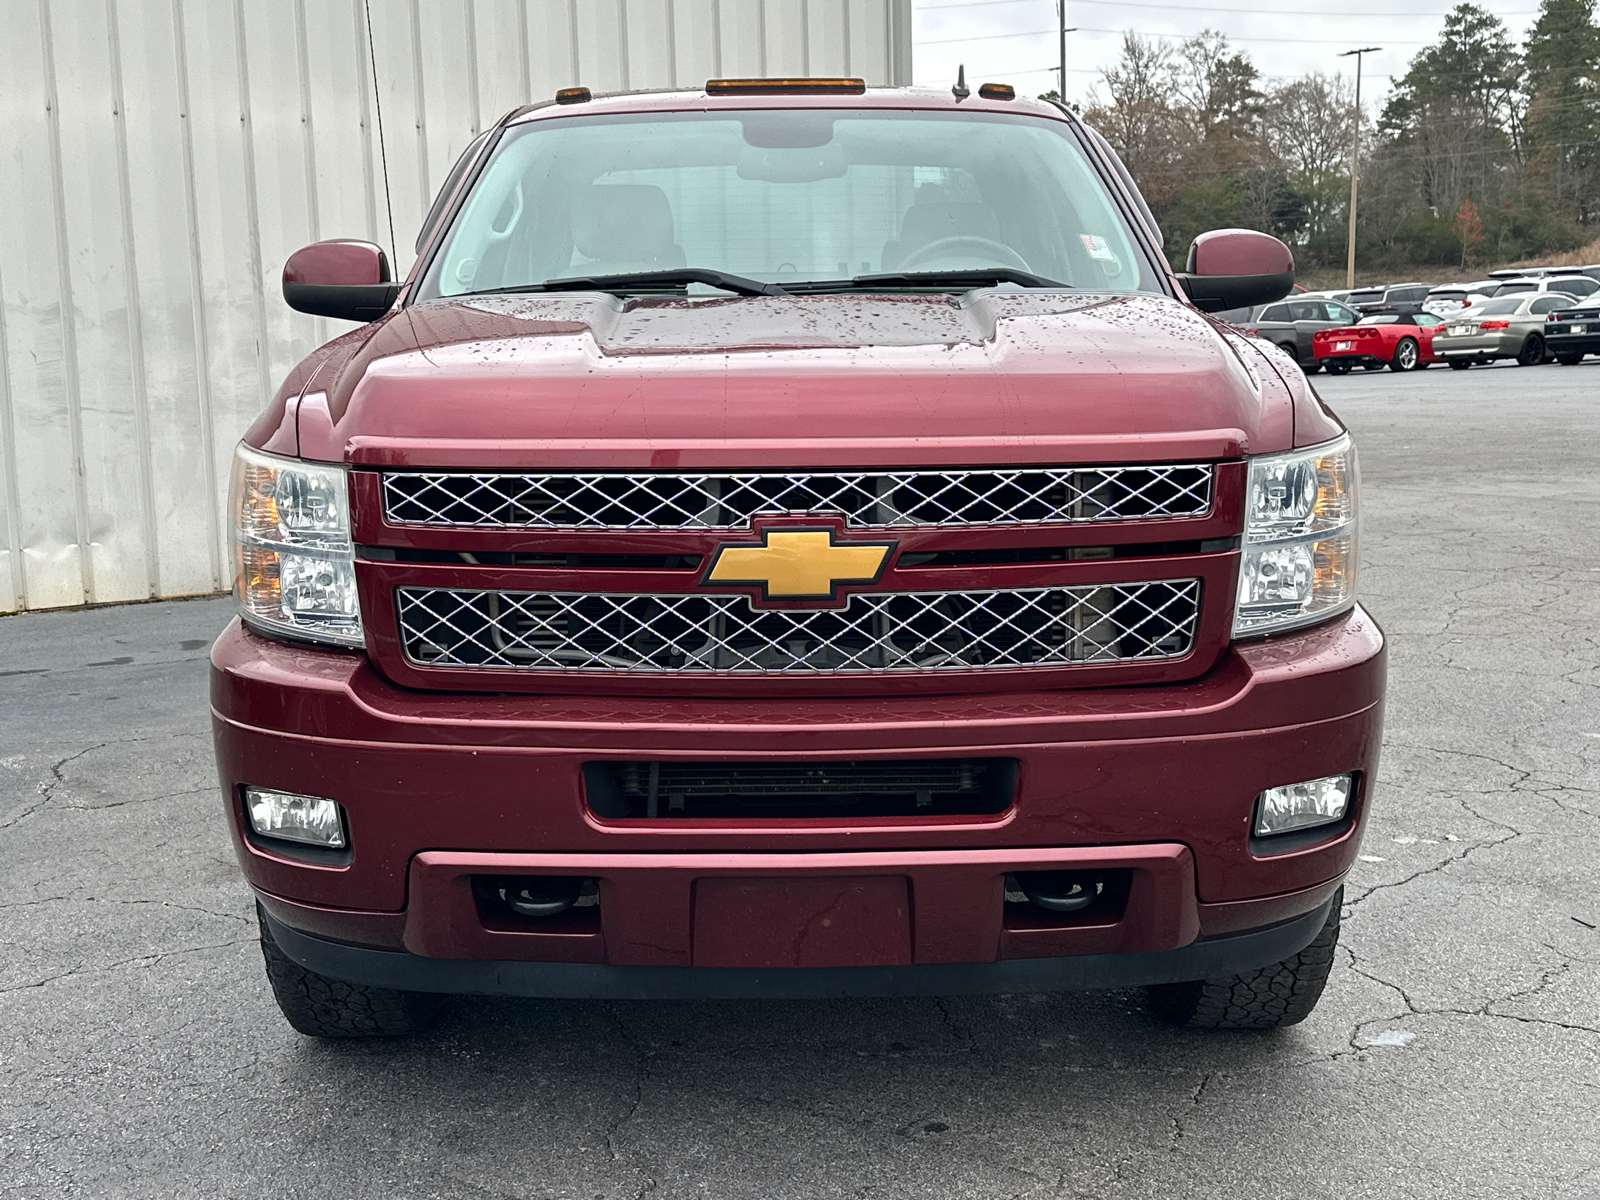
{"x": 1448, "y": 299}
{"x": 1399, "y": 341}
{"x": 1572, "y": 285}
{"x": 1505, "y": 327}
{"x": 1390, "y": 298}
{"x": 1290, "y": 324}
{"x": 1570, "y": 333}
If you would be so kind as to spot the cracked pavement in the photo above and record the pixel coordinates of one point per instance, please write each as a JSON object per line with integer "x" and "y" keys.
{"x": 1455, "y": 1054}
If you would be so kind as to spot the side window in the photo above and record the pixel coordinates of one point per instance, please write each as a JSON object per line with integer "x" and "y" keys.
{"x": 1412, "y": 294}
{"x": 468, "y": 156}
{"x": 1580, "y": 287}
{"x": 1304, "y": 310}
{"x": 1277, "y": 312}
{"x": 1547, "y": 304}
{"x": 1338, "y": 312}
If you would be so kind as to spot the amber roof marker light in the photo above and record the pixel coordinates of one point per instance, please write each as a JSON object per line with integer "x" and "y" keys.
{"x": 785, "y": 87}
{"x": 574, "y": 95}
{"x": 997, "y": 91}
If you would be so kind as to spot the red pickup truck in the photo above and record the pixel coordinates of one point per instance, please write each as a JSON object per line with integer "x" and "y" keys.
{"x": 791, "y": 539}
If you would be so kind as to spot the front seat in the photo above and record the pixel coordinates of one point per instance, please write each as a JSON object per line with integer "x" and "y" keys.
{"x": 925, "y": 224}
{"x": 623, "y": 227}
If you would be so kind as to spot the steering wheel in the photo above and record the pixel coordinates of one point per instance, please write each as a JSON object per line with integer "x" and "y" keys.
{"x": 997, "y": 253}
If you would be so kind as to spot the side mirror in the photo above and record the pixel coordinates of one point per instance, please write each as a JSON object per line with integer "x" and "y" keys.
{"x": 341, "y": 278}
{"x": 1237, "y": 268}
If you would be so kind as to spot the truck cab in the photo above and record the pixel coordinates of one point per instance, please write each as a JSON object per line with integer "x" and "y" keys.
{"x": 795, "y": 539}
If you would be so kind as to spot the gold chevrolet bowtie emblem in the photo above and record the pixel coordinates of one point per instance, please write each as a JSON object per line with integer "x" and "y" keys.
{"x": 799, "y": 564}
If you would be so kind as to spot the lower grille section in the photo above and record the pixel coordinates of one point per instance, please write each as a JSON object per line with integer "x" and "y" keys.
{"x": 872, "y": 788}
{"x": 874, "y": 632}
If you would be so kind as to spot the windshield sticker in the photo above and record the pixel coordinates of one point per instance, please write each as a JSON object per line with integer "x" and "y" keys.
{"x": 1097, "y": 247}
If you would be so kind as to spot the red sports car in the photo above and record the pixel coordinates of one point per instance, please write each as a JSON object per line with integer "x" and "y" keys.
{"x": 1403, "y": 341}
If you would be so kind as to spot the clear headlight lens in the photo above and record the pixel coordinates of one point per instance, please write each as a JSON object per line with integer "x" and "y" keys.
{"x": 294, "y": 562}
{"x": 1301, "y": 545}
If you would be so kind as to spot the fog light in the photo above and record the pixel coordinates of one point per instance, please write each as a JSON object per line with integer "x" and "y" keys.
{"x": 295, "y": 818}
{"x": 1303, "y": 805}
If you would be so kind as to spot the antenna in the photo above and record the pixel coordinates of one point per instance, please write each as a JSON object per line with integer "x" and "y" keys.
{"x": 961, "y": 91}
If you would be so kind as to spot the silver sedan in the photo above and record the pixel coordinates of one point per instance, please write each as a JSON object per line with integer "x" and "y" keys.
{"x": 1512, "y": 327}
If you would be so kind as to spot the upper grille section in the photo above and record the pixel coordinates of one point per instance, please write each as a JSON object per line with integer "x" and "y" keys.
{"x": 1025, "y": 496}
{"x": 875, "y": 632}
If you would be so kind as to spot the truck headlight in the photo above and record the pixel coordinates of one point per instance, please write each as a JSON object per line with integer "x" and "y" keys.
{"x": 294, "y": 562}
{"x": 1300, "y": 549}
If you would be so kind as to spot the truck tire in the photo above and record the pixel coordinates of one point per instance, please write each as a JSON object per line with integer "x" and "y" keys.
{"x": 1407, "y": 355}
{"x": 1532, "y": 352}
{"x": 1569, "y": 360}
{"x": 331, "y": 1008}
{"x": 1269, "y": 997}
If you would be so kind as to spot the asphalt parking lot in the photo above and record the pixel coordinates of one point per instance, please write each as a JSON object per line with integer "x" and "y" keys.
{"x": 1455, "y": 1054}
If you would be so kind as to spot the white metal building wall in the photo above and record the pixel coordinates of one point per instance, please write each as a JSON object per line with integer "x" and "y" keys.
{"x": 159, "y": 159}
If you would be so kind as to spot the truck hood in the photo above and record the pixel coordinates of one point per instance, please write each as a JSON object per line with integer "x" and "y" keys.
{"x": 594, "y": 381}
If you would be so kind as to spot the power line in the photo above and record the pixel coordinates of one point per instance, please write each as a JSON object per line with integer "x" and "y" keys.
{"x": 1091, "y": 29}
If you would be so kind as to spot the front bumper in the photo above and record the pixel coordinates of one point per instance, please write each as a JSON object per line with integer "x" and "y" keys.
{"x": 440, "y": 790}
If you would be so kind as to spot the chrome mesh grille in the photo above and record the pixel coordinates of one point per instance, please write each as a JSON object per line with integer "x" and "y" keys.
{"x": 728, "y": 501}
{"x": 874, "y": 632}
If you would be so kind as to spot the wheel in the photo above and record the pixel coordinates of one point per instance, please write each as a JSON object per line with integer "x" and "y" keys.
{"x": 1569, "y": 360}
{"x": 1283, "y": 993}
{"x": 1337, "y": 366}
{"x": 1406, "y": 355}
{"x": 1532, "y": 352}
{"x": 1460, "y": 364}
{"x": 331, "y": 1008}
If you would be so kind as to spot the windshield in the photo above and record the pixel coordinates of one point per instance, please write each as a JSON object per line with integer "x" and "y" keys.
{"x": 787, "y": 196}
{"x": 1386, "y": 319}
{"x": 1499, "y": 307}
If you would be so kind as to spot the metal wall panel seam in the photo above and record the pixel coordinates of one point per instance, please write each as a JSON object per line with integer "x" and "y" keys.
{"x": 898, "y": 43}
{"x": 622, "y": 43}
{"x": 202, "y": 350}
{"x": 716, "y": 39}
{"x": 69, "y": 332}
{"x": 308, "y": 139}
{"x": 421, "y": 106}
{"x": 761, "y": 35}
{"x": 368, "y": 180}
{"x": 8, "y": 460}
{"x": 672, "y": 44}
{"x": 143, "y": 466}
{"x": 572, "y": 32}
{"x": 252, "y": 208}
{"x": 522, "y": 42}
{"x": 469, "y": 16}
{"x": 844, "y": 13}
{"x": 805, "y": 37}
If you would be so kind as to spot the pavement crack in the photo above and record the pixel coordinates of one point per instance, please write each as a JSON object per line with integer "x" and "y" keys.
{"x": 646, "y": 1063}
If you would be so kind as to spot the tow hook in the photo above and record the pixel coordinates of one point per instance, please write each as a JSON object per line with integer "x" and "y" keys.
{"x": 1061, "y": 891}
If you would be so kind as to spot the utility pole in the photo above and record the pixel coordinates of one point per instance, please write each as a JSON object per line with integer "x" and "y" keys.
{"x": 1355, "y": 162}
{"x": 1061, "y": 23}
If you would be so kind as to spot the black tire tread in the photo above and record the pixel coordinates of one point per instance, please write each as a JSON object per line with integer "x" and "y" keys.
{"x": 331, "y": 1008}
{"x": 1270, "y": 997}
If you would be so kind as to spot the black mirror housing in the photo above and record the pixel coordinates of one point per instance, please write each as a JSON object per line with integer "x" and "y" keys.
{"x": 1218, "y": 293}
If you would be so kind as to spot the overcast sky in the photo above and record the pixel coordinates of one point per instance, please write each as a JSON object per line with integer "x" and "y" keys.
{"x": 1014, "y": 41}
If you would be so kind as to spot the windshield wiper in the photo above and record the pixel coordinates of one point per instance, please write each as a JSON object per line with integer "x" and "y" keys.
{"x": 634, "y": 280}
{"x": 976, "y": 277}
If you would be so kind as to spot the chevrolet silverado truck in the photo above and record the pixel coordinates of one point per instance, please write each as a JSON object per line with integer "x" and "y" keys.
{"x": 795, "y": 539}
